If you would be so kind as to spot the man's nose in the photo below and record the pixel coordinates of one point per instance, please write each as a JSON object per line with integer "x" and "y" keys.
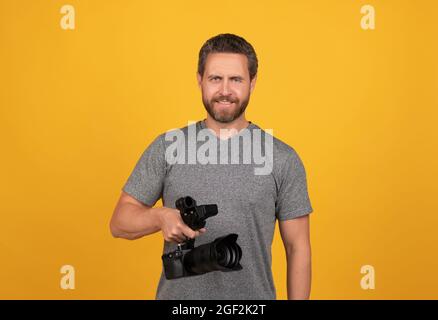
{"x": 225, "y": 90}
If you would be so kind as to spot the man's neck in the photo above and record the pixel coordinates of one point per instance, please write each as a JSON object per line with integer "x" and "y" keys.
{"x": 237, "y": 124}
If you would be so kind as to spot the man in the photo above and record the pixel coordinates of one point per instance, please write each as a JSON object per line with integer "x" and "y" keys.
{"x": 248, "y": 203}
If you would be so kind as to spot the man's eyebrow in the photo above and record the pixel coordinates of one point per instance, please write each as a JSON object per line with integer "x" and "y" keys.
{"x": 219, "y": 76}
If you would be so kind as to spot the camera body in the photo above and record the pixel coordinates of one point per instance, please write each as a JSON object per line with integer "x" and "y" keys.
{"x": 173, "y": 263}
{"x": 223, "y": 254}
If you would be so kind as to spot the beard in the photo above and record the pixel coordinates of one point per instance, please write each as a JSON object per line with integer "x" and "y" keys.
{"x": 225, "y": 114}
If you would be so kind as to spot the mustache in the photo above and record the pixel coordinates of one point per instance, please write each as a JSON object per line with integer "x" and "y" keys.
{"x": 225, "y": 98}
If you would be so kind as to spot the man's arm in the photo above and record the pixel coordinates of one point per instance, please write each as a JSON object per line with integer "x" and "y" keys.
{"x": 296, "y": 239}
{"x": 132, "y": 220}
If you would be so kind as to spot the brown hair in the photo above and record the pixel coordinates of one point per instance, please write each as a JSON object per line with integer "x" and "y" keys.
{"x": 228, "y": 43}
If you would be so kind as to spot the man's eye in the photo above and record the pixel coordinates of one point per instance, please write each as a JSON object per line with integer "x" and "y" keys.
{"x": 237, "y": 80}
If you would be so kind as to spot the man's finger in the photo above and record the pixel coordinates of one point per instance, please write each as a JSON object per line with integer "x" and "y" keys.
{"x": 180, "y": 240}
{"x": 189, "y": 233}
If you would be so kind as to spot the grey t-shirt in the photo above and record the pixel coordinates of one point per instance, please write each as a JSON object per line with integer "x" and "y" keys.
{"x": 248, "y": 205}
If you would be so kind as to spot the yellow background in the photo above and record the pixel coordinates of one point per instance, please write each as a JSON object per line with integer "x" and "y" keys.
{"x": 78, "y": 107}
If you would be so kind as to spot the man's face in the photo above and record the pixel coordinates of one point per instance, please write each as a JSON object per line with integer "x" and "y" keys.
{"x": 226, "y": 86}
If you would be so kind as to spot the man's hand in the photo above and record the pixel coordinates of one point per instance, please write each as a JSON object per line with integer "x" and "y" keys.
{"x": 173, "y": 227}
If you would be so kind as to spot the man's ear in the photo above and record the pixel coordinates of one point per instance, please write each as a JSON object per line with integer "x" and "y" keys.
{"x": 198, "y": 76}
{"x": 253, "y": 82}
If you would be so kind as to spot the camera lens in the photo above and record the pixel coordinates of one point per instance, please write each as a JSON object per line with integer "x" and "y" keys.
{"x": 222, "y": 254}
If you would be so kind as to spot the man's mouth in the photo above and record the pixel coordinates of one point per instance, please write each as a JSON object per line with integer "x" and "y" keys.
{"x": 225, "y": 102}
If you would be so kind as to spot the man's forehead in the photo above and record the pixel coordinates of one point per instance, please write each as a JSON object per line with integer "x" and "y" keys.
{"x": 226, "y": 63}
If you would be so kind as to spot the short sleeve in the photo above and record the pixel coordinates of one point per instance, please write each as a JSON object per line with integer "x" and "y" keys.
{"x": 147, "y": 179}
{"x": 292, "y": 198}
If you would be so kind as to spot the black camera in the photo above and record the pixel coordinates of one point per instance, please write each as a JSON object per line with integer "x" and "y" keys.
{"x": 223, "y": 254}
